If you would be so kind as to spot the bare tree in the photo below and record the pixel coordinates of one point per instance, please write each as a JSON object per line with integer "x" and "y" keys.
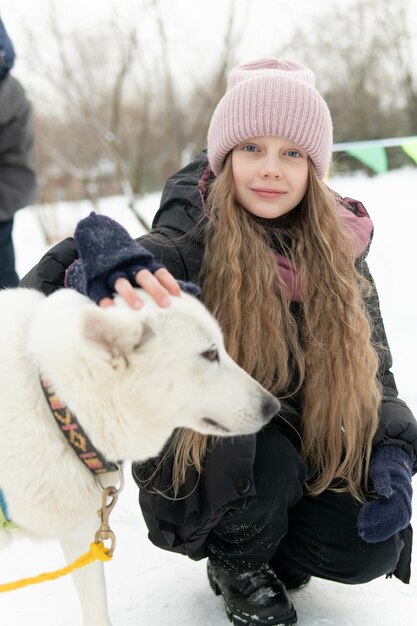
{"x": 93, "y": 82}
{"x": 206, "y": 96}
{"x": 404, "y": 55}
{"x": 360, "y": 52}
{"x": 172, "y": 119}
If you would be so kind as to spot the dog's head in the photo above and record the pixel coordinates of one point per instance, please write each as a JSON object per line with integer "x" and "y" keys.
{"x": 157, "y": 369}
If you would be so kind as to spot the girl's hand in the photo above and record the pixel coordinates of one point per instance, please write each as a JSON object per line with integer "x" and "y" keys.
{"x": 160, "y": 286}
{"x": 390, "y": 471}
{"x": 110, "y": 261}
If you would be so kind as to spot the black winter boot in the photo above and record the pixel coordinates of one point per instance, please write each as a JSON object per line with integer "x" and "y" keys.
{"x": 254, "y": 598}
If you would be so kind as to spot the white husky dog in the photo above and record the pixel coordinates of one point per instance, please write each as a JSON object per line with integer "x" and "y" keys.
{"x": 130, "y": 377}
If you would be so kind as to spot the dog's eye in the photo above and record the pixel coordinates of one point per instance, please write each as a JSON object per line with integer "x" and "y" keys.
{"x": 211, "y": 354}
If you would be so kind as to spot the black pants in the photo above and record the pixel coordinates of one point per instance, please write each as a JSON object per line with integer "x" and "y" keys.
{"x": 8, "y": 276}
{"x": 314, "y": 535}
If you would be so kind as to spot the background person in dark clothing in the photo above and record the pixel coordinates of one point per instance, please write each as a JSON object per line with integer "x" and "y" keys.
{"x": 17, "y": 159}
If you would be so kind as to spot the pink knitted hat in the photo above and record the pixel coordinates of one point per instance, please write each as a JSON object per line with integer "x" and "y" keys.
{"x": 269, "y": 97}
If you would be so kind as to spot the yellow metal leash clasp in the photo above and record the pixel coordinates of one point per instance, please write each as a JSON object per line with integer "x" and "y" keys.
{"x": 105, "y": 533}
{"x": 109, "y": 497}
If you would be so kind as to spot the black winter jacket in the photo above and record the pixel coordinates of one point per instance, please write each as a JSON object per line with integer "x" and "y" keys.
{"x": 17, "y": 155}
{"x": 182, "y": 525}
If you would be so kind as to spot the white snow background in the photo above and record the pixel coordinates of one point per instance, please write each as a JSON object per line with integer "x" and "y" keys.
{"x": 150, "y": 587}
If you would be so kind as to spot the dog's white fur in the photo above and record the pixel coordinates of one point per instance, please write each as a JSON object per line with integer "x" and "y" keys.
{"x": 130, "y": 377}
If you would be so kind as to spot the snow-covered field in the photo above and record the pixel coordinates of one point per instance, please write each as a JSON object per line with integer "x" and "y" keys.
{"x": 148, "y": 587}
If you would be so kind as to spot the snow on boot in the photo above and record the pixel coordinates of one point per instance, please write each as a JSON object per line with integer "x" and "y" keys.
{"x": 255, "y": 598}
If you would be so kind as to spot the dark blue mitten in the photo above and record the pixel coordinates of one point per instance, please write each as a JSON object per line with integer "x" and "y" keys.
{"x": 390, "y": 471}
{"x": 107, "y": 252}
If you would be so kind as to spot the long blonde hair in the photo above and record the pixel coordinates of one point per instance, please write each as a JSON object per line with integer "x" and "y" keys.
{"x": 326, "y": 355}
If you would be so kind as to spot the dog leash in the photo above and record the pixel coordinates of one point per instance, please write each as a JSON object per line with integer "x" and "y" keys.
{"x": 98, "y": 465}
{"x": 97, "y": 552}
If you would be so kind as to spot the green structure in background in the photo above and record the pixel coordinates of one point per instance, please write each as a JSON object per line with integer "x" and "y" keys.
{"x": 373, "y": 154}
{"x": 410, "y": 148}
{"x": 374, "y": 158}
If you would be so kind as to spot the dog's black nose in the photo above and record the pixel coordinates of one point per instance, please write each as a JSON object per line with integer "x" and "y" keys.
{"x": 270, "y": 407}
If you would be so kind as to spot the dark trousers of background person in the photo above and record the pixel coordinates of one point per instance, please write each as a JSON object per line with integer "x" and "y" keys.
{"x": 313, "y": 535}
{"x": 8, "y": 275}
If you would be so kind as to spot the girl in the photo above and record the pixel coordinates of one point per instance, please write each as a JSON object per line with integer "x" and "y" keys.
{"x": 325, "y": 489}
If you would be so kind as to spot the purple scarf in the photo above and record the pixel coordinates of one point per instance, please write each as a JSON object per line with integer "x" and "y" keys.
{"x": 361, "y": 226}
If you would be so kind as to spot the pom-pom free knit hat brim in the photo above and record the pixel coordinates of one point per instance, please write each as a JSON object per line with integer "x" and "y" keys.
{"x": 269, "y": 97}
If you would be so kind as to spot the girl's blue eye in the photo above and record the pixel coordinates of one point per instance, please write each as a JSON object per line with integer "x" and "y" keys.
{"x": 293, "y": 153}
{"x": 250, "y": 148}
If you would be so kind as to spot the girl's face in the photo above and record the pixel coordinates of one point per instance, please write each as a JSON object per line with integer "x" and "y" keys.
{"x": 270, "y": 175}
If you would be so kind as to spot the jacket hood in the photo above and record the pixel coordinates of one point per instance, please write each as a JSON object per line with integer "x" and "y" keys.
{"x": 183, "y": 196}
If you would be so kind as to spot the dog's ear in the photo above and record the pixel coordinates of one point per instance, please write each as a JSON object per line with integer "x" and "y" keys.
{"x": 116, "y": 334}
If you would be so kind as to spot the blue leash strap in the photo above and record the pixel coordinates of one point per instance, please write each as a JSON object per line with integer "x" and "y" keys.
{"x": 3, "y": 506}
{"x": 5, "y": 522}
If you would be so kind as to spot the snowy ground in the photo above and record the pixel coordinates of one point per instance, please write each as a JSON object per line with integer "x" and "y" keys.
{"x": 148, "y": 587}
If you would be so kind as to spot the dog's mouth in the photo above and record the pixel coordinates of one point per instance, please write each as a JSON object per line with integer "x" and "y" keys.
{"x": 214, "y": 424}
